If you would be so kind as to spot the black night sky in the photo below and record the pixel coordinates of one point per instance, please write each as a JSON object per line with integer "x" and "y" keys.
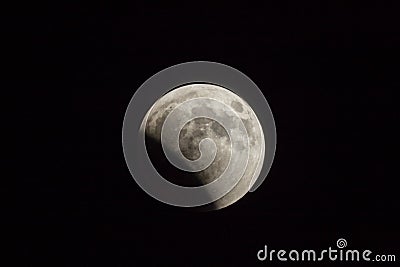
{"x": 328, "y": 72}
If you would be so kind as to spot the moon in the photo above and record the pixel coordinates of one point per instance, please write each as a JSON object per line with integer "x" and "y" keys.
{"x": 204, "y": 148}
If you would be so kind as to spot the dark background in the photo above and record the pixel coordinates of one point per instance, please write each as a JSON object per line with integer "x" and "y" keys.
{"x": 328, "y": 71}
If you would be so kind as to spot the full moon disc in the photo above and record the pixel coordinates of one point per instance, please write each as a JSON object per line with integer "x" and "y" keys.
{"x": 203, "y": 134}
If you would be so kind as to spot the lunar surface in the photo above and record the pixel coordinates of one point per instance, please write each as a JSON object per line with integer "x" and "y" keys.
{"x": 189, "y": 147}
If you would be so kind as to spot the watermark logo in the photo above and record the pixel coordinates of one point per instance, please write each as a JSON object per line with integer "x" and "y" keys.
{"x": 208, "y": 121}
{"x": 330, "y": 254}
{"x": 341, "y": 243}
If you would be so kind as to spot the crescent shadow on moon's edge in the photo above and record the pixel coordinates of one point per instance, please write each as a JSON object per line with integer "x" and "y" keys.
{"x": 173, "y": 174}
